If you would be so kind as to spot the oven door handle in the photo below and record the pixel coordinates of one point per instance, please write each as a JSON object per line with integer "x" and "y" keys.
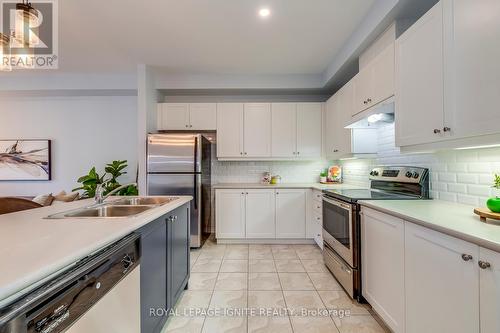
{"x": 337, "y": 203}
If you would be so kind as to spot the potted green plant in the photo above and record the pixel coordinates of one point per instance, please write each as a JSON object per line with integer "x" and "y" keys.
{"x": 494, "y": 202}
{"x": 109, "y": 180}
{"x": 322, "y": 176}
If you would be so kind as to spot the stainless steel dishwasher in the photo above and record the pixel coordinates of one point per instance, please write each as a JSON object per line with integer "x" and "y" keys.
{"x": 100, "y": 294}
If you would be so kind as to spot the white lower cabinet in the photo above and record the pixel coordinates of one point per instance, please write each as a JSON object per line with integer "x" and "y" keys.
{"x": 420, "y": 280}
{"x": 230, "y": 210}
{"x": 489, "y": 291}
{"x": 441, "y": 282}
{"x": 383, "y": 241}
{"x": 259, "y": 213}
{"x": 290, "y": 213}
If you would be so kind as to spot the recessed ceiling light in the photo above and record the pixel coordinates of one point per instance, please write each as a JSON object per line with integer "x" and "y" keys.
{"x": 264, "y": 12}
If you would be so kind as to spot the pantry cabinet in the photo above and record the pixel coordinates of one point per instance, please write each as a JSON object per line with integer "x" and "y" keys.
{"x": 383, "y": 241}
{"x": 489, "y": 292}
{"x": 419, "y": 81}
{"x": 259, "y": 213}
{"x": 441, "y": 282}
{"x": 290, "y": 213}
{"x": 230, "y": 130}
{"x": 186, "y": 116}
{"x": 230, "y": 213}
{"x": 375, "y": 82}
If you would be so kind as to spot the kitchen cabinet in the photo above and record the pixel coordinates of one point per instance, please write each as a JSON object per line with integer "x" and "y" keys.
{"x": 173, "y": 116}
{"x": 309, "y": 123}
{"x": 375, "y": 82}
{"x": 178, "y": 250}
{"x": 259, "y": 213}
{"x": 382, "y": 259}
{"x": 230, "y": 130}
{"x": 441, "y": 281}
{"x": 164, "y": 265}
{"x": 257, "y": 130}
{"x": 345, "y": 142}
{"x": 489, "y": 291}
{"x": 187, "y": 116}
{"x": 203, "y": 116}
{"x": 253, "y": 131}
{"x": 447, "y": 75}
{"x": 419, "y": 81}
{"x": 290, "y": 213}
{"x": 230, "y": 213}
{"x": 472, "y": 50}
{"x": 314, "y": 227}
{"x": 284, "y": 129}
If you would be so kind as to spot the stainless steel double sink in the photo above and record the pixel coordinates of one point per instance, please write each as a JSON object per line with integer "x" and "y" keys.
{"x": 125, "y": 207}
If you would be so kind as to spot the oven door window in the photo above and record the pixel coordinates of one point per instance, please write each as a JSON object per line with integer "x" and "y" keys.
{"x": 336, "y": 221}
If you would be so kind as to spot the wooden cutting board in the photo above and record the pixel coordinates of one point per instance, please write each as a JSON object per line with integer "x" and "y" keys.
{"x": 485, "y": 213}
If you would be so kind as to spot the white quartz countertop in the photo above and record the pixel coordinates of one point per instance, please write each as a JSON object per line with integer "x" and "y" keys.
{"x": 34, "y": 249}
{"x": 454, "y": 219}
{"x": 315, "y": 186}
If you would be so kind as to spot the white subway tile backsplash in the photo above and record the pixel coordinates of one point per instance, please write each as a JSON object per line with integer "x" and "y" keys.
{"x": 462, "y": 176}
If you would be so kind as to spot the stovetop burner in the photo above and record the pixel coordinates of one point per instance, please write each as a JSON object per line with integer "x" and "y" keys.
{"x": 389, "y": 183}
{"x": 354, "y": 195}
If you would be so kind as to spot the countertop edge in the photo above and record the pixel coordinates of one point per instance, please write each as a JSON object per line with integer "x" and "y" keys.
{"x": 25, "y": 284}
{"x": 450, "y": 232}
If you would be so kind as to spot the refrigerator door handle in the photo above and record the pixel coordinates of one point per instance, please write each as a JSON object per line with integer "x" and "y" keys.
{"x": 197, "y": 188}
{"x": 195, "y": 166}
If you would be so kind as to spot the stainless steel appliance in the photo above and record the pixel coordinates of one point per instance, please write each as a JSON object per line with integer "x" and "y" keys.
{"x": 341, "y": 221}
{"x": 180, "y": 164}
{"x": 69, "y": 298}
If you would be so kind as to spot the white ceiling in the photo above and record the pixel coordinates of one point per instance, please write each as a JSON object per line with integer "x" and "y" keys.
{"x": 205, "y": 36}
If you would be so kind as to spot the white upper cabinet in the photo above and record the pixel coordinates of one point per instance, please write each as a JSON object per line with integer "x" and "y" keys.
{"x": 259, "y": 216}
{"x": 441, "y": 278}
{"x": 173, "y": 116}
{"x": 447, "y": 75}
{"x": 202, "y": 116}
{"x": 309, "y": 123}
{"x": 257, "y": 130}
{"x": 382, "y": 259}
{"x": 290, "y": 213}
{"x": 419, "y": 81}
{"x": 489, "y": 277}
{"x": 375, "y": 82}
{"x": 269, "y": 131}
{"x": 284, "y": 129}
{"x": 230, "y": 130}
{"x": 472, "y": 40}
{"x": 338, "y": 111}
{"x": 186, "y": 116}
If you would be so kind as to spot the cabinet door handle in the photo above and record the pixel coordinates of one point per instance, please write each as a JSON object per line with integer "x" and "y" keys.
{"x": 466, "y": 257}
{"x": 298, "y": 153}
{"x": 190, "y": 125}
{"x": 484, "y": 264}
{"x": 437, "y": 131}
{"x": 335, "y": 150}
{"x": 446, "y": 129}
{"x": 365, "y": 102}
{"x": 294, "y": 153}
{"x": 369, "y": 100}
{"x": 245, "y": 153}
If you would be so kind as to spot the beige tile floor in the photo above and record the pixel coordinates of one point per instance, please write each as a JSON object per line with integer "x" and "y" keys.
{"x": 290, "y": 282}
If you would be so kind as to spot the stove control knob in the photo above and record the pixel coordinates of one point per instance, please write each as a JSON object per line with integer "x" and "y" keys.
{"x": 415, "y": 174}
{"x": 374, "y": 173}
{"x": 409, "y": 174}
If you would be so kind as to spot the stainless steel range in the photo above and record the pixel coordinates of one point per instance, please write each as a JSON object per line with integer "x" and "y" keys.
{"x": 341, "y": 221}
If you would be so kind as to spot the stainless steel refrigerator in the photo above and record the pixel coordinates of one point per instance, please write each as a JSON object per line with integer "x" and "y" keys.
{"x": 179, "y": 164}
